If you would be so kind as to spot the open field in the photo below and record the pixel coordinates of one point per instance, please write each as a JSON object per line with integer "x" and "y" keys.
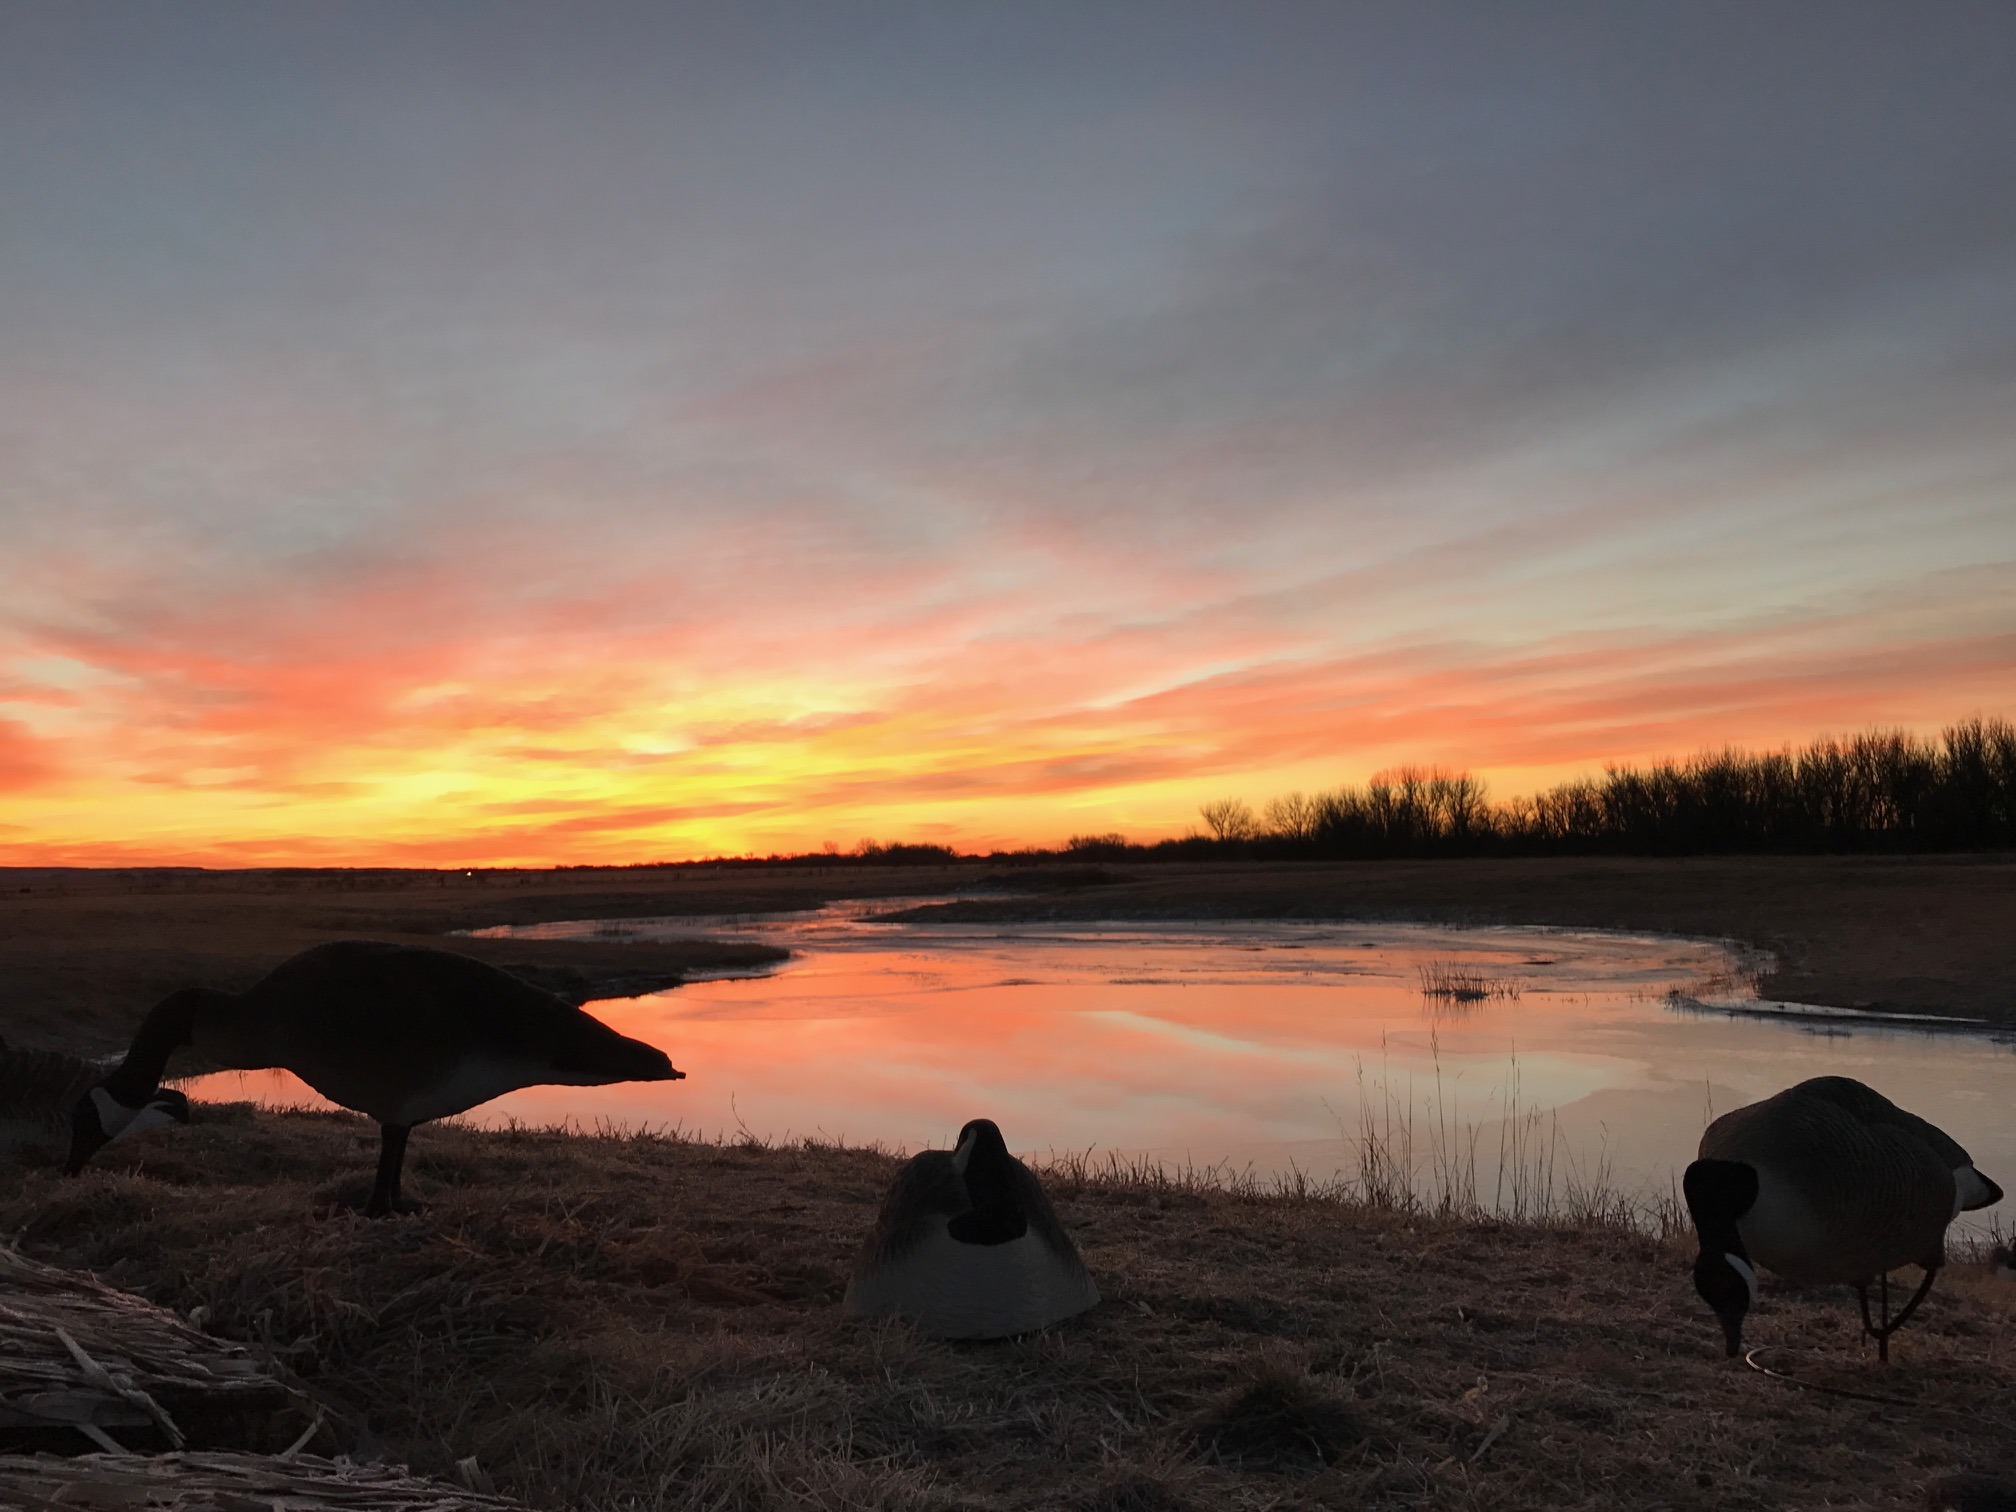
{"x": 83, "y": 954}
{"x": 643, "y": 1322}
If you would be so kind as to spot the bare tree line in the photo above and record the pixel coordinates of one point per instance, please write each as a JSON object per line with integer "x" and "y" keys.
{"x": 1882, "y": 790}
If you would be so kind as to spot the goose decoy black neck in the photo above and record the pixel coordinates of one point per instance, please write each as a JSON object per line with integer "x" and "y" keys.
{"x": 1718, "y": 1193}
{"x": 982, "y": 1160}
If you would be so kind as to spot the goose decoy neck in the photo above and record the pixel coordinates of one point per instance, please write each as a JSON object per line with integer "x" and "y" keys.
{"x": 984, "y": 1164}
{"x": 980, "y": 1145}
{"x": 1718, "y": 1193}
{"x": 131, "y": 1098}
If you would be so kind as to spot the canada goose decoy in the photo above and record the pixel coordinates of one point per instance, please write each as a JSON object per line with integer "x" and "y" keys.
{"x": 968, "y": 1247}
{"x": 1827, "y": 1182}
{"x": 396, "y": 1032}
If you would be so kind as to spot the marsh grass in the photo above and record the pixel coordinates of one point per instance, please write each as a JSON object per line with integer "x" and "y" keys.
{"x": 1418, "y": 1155}
{"x": 623, "y": 1321}
{"x": 1452, "y": 983}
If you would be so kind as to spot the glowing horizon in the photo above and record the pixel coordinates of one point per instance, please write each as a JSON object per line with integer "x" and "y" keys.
{"x": 648, "y": 436}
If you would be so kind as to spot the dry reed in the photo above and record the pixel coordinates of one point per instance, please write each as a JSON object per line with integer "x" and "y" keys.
{"x": 1464, "y": 984}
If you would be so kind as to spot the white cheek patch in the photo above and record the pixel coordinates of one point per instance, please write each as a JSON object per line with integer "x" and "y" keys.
{"x": 113, "y": 1115}
{"x": 1743, "y": 1268}
{"x": 964, "y": 1153}
{"x": 1970, "y": 1189}
{"x": 149, "y": 1117}
{"x": 119, "y": 1121}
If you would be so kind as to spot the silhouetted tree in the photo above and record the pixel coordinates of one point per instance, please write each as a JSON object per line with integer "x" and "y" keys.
{"x": 1292, "y": 816}
{"x": 1229, "y": 819}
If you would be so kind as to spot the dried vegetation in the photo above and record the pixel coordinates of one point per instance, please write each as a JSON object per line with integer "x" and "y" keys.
{"x": 80, "y": 1358}
{"x": 227, "y": 1483}
{"x": 604, "y": 1322}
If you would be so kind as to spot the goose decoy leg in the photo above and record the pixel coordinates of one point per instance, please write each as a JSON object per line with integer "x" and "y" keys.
{"x": 1890, "y": 1325}
{"x": 1904, "y": 1315}
{"x": 391, "y": 1156}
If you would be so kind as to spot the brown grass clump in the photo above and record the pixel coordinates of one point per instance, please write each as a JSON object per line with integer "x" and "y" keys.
{"x": 1462, "y": 984}
{"x": 1133, "y": 1491}
{"x": 1278, "y": 1420}
{"x": 227, "y": 1483}
{"x": 615, "y": 1322}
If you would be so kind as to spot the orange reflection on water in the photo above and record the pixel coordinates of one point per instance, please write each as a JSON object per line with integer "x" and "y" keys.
{"x": 1266, "y": 1045}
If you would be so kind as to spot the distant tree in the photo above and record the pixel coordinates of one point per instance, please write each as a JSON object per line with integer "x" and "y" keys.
{"x": 1230, "y": 819}
{"x": 1108, "y": 847}
{"x": 1293, "y": 816}
{"x": 917, "y": 853}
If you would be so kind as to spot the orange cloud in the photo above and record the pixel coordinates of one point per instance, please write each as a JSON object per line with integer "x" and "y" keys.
{"x": 497, "y": 682}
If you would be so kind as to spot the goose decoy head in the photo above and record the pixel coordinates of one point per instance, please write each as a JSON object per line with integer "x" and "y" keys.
{"x": 99, "y": 1118}
{"x": 1718, "y": 1193}
{"x": 984, "y": 1164}
{"x": 981, "y": 1139}
{"x": 1727, "y": 1283}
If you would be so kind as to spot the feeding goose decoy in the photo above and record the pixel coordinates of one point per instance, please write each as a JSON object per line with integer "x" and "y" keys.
{"x": 400, "y": 1033}
{"x": 1827, "y": 1182}
{"x": 968, "y": 1247}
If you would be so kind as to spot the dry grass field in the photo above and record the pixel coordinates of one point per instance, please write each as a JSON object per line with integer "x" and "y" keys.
{"x": 614, "y": 1322}
{"x": 610, "y": 1322}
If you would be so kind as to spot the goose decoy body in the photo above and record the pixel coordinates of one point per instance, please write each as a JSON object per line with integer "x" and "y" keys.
{"x": 399, "y": 1033}
{"x": 1827, "y": 1182}
{"x": 968, "y": 1247}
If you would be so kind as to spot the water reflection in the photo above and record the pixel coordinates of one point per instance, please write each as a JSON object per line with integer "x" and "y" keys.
{"x": 1262, "y": 1045}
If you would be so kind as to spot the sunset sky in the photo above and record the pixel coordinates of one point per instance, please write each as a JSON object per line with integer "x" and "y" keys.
{"x": 481, "y": 433}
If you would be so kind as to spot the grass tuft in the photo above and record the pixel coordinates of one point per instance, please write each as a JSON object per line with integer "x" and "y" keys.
{"x": 1445, "y": 982}
{"x": 1280, "y": 1421}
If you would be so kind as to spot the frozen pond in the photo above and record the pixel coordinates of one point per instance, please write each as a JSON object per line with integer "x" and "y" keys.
{"x": 1267, "y": 1045}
